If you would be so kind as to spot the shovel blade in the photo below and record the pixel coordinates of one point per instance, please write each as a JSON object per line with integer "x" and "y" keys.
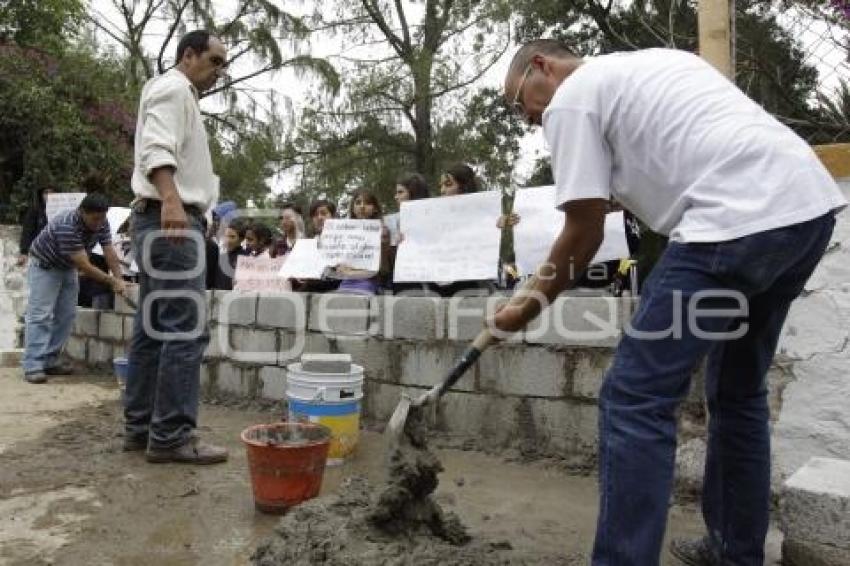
{"x": 395, "y": 427}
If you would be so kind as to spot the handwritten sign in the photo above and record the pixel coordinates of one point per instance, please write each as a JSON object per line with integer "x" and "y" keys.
{"x": 60, "y": 202}
{"x": 352, "y": 243}
{"x": 116, "y": 215}
{"x": 304, "y": 261}
{"x": 449, "y": 239}
{"x": 540, "y": 223}
{"x": 260, "y": 274}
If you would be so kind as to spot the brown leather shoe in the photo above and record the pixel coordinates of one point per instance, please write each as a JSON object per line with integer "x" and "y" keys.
{"x": 193, "y": 452}
{"x": 61, "y": 369}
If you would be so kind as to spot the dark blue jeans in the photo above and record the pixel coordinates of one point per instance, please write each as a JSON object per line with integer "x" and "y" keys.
{"x": 742, "y": 288}
{"x": 169, "y": 334}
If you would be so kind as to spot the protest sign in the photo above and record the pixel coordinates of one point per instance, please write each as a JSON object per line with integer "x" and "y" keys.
{"x": 449, "y": 239}
{"x": 60, "y": 202}
{"x": 540, "y": 223}
{"x": 355, "y": 244}
{"x": 261, "y": 273}
{"x": 304, "y": 261}
{"x": 116, "y": 215}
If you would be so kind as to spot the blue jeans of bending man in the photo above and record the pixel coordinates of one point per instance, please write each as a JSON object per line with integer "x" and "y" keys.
{"x": 694, "y": 291}
{"x": 169, "y": 334}
{"x": 51, "y": 309}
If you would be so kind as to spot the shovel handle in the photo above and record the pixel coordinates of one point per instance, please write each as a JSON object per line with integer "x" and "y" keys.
{"x": 484, "y": 340}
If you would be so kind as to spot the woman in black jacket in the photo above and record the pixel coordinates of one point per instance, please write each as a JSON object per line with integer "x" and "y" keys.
{"x": 34, "y": 221}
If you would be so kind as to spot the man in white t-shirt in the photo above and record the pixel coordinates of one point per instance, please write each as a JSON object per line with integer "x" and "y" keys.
{"x": 749, "y": 210}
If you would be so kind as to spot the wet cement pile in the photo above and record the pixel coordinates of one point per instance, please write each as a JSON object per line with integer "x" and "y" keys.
{"x": 400, "y": 525}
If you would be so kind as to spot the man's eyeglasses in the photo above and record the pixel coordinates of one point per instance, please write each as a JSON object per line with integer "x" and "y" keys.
{"x": 517, "y": 105}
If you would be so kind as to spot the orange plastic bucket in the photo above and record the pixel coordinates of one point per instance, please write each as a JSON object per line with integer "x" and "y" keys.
{"x": 287, "y": 463}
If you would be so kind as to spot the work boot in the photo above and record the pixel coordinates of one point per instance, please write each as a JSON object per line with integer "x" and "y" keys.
{"x": 694, "y": 551}
{"x": 193, "y": 452}
{"x": 37, "y": 376}
{"x": 61, "y": 369}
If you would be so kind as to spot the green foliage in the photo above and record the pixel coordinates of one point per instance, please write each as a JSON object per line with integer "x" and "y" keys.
{"x": 65, "y": 122}
{"x": 43, "y": 23}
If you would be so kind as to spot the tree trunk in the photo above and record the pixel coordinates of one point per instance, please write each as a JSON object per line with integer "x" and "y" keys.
{"x": 423, "y": 129}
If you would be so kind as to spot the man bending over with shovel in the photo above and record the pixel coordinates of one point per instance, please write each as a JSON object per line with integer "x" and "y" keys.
{"x": 749, "y": 210}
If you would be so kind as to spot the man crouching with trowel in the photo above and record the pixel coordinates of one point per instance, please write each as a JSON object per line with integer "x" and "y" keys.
{"x": 749, "y": 210}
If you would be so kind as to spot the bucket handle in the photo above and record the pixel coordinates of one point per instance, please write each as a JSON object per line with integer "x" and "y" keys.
{"x": 320, "y": 394}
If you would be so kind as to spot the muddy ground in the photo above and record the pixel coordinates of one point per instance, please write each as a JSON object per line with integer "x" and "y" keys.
{"x": 69, "y": 495}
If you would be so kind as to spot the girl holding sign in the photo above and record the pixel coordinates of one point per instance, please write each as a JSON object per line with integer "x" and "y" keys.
{"x": 366, "y": 207}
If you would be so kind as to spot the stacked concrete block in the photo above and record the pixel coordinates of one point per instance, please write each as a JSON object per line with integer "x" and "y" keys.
{"x": 122, "y": 306}
{"x": 510, "y": 370}
{"x": 235, "y": 308}
{"x": 413, "y": 318}
{"x": 86, "y": 323}
{"x": 286, "y": 311}
{"x": 580, "y": 321}
{"x": 588, "y": 371}
{"x": 111, "y": 327}
{"x": 342, "y": 315}
{"x": 326, "y": 363}
{"x": 426, "y": 365}
{"x": 128, "y": 322}
{"x": 379, "y": 358}
{"x": 99, "y": 353}
{"x": 815, "y": 514}
{"x": 234, "y": 379}
{"x": 273, "y": 379}
{"x": 253, "y": 346}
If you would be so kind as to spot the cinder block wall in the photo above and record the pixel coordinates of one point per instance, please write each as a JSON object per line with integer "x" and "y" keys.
{"x": 538, "y": 390}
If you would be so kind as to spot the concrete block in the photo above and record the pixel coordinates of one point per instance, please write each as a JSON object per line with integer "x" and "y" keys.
{"x": 237, "y": 380}
{"x": 380, "y": 359}
{"x": 99, "y": 353}
{"x": 207, "y": 376}
{"x": 122, "y": 306}
{"x": 236, "y": 308}
{"x": 86, "y": 323}
{"x": 465, "y": 316}
{"x": 579, "y": 321}
{"x": 524, "y": 370}
{"x": 380, "y": 399}
{"x": 285, "y": 310}
{"x": 413, "y": 318}
{"x": 316, "y": 343}
{"x": 249, "y": 345}
{"x": 111, "y": 327}
{"x": 426, "y": 365}
{"x": 119, "y": 351}
{"x": 290, "y": 346}
{"x": 341, "y": 314}
{"x": 815, "y": 504}
{"x": 588, "y": 370}
{"x": 326, "y": 363}
{"x": 809, "y": 553}
{"x": 11, "y": 358}
{"x": 219, "y": 341}
{"x": 128, "y": 328}
{"x": 273, "y": 380}
{"x": 560, "y": 426}
{"x": 486, "y": 417}
{"x": 210, "y": 301}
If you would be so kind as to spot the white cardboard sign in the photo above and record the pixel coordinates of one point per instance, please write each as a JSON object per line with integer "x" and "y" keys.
{"x": 260, "y": 273}
{"x": 351, "y": 243}
{"x": 60, "y": 202}
{"x": 540, "y": 223}
{"x": 449, "y": 238}
{"x": 304, "y": 261}
{"x": 116, "y": 215}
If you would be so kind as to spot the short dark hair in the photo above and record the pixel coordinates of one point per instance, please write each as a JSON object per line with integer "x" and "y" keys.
{"x": 416, "y": 185}
{"x": 465, "y": 177}
{"x": 198, "y": 40}
{"x": 550, "y": 47}
{"x": 291, "y": 205}
{"x": 370, "y": 198}
{"x": 94, "y": 202}
{"x": 262, "y": 232}
{"x": 237, "y": 226}
{"x": 317, "y": 204}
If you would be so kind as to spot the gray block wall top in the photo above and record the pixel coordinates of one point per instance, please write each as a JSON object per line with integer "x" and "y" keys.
{"x": 816, "y": 503}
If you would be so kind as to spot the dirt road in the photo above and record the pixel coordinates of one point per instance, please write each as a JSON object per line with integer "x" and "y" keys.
{"x": 68, "y": 495}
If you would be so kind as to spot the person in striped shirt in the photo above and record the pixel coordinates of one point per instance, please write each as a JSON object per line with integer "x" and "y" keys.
{"x": 57, "y": 254}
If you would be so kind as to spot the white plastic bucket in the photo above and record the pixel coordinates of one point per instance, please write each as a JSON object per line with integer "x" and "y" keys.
{"x": 329, "y": 399}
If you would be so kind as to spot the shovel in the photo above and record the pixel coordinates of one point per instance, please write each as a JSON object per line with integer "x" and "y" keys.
{"x": 395, "y": 428}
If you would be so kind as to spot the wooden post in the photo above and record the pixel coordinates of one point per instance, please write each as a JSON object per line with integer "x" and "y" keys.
{"x": 717, "y": 34}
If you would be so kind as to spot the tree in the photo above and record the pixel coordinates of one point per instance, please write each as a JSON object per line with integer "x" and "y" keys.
{"x": 43, "y": 23}
{"x": 407, "y": 102}
{"x": 65, "y": 122}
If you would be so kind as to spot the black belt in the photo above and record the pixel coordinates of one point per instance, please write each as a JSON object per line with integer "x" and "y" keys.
{"x": 144, "y": 204}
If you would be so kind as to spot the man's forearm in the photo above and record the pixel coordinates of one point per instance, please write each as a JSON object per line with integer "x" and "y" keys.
{"x": 163, "y": 179}
{"x": 92, "y": 272}
{"x": 114, "y": 264}
{"x": 571, "y": 253}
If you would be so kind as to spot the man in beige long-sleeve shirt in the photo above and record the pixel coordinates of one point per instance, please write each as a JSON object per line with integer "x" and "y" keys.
{"x": 174, "y": 184}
